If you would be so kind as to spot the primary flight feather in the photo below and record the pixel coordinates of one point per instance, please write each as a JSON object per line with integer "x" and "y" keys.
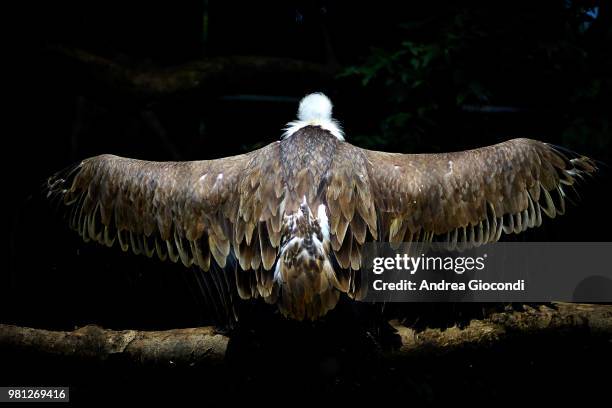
{"x": 297, "y": 212}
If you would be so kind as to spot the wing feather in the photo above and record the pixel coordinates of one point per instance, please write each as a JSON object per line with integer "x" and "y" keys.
{"x": 194, "y": 211}
{"x": 468, "y": 198}
{"x": 182, "y": 211}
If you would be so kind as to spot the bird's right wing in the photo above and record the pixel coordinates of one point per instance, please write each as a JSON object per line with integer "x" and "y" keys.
{"x": 468, "y": 198}
{"x": 461, "y": 199}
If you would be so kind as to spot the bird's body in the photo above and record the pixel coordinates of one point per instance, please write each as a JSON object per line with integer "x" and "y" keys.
{"x": 304, "y": 264}
{"x": 297, "y": 212}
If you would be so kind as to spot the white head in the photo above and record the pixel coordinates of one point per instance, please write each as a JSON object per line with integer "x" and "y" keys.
{"x": 315, "y": 106}
{"x": 315, "y": 110}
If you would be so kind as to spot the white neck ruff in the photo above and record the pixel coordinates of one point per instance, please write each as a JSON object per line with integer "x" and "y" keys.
{"x": 329, "y": 124}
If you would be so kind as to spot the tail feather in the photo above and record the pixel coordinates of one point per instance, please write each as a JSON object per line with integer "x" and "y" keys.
{"x": 304, "y": 275}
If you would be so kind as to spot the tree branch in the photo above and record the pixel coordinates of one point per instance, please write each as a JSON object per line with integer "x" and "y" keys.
{"x": 564, "y": 317}
{"x": 208, "y": 75}
{"x": 180, "y": 346}
{"x": 205, "y": 346}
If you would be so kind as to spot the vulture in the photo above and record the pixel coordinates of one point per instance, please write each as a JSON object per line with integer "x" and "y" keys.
{"x": 296, "y": 213}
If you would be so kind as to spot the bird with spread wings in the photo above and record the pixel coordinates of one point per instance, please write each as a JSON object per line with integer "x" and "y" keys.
{"x": 297, "y": 212}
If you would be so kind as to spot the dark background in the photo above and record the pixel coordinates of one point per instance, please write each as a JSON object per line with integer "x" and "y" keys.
{"x": 425, "y": 77}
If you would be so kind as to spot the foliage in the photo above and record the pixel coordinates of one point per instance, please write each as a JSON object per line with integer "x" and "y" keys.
{"x": 540, "y": 58}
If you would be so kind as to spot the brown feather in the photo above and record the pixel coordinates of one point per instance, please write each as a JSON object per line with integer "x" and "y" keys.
{"x": 194, "y": 210}
{"x": 450, "y": 192}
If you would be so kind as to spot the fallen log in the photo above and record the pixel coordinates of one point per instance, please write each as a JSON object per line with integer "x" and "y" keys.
{"x": 590, "y": 319}
{"x": 200, "y": 345}
{"x": 203, "y": 345}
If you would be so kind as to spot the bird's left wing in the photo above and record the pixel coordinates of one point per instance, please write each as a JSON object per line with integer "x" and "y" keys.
{"x": 177, "y": 210}
{"x": 468, "y": 198}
